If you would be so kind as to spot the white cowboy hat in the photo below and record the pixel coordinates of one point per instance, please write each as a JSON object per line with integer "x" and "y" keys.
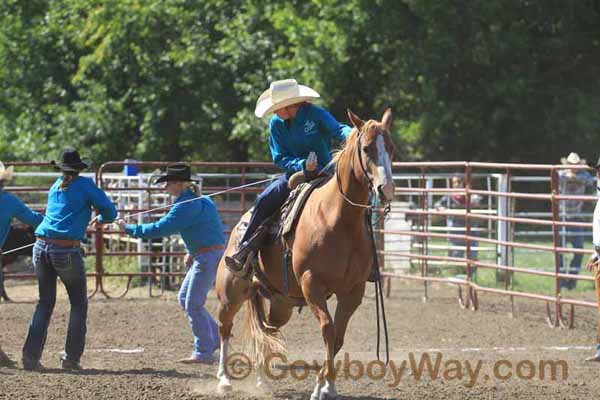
{"x": 282, "y": 94}
{"x": 6, "y": 174}
{"x": 572, "y": 158}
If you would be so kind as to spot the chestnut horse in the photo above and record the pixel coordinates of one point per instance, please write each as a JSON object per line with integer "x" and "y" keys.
{"x": 332, "y": 253}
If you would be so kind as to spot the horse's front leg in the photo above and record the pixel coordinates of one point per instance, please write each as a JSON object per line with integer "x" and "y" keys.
{"x": 346, "y": 306}
{"x": 316, "y": 299}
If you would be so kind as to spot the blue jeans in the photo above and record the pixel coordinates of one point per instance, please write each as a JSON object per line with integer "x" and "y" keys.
{"x": 267, "y": 203}
{"x": 460, "y": 242}
{"x": 52, "y": 261}
{"x": 199, "y": 279}
{"x": 574, "y": 235}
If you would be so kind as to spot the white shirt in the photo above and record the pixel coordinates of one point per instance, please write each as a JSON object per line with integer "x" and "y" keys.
{"x": 596, "y": 229}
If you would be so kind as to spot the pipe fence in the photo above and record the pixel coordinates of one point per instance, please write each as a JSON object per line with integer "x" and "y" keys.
{"x": 516, "y": 276}
{"x": 435, "y": 233}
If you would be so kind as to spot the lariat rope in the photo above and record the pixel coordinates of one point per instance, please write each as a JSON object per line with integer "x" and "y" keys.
{"x": 165, "y": 207}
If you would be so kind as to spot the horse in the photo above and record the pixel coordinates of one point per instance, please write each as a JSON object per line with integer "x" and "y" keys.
{"x": 332, "y": 252}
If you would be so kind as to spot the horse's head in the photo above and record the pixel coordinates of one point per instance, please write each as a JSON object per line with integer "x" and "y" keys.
{"x": 375, "y": 151}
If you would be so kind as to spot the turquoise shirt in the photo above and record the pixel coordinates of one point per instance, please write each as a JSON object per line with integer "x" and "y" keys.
{"x": 197, "y": 221}
{"x": 69, "y": 211}
{"x": 312, "y": 129}
{"x": 12, "y": 207}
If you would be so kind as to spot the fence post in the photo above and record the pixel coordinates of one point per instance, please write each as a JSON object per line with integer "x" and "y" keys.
{"x": 243, "y": 194}
{"x": 99, "y": 244}
{"x": 555, "y": 238}
{"x": 424, "y": 219}
{"x": 468, "y": 183}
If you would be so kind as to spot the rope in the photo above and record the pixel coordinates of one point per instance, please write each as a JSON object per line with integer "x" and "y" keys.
{"x": 162, "y": 207}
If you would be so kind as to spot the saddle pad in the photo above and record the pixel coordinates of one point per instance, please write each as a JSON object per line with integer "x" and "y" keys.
{"x": 291, "y": 210}
{"x": 272, "y": 226}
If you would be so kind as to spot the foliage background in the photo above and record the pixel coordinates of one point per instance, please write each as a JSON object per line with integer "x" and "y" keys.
{"x": 487, "y": 80}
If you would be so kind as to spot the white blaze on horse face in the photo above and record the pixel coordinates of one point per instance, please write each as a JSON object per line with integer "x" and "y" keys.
{"x": 384, "y": 169}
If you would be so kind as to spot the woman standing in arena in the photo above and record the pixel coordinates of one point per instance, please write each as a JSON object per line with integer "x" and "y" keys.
{"x": 57, "y": 253}
{"x": 197, "y": 220}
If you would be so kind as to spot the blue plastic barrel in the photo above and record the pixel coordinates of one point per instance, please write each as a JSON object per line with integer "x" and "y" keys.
{"x": 130, "y": 168}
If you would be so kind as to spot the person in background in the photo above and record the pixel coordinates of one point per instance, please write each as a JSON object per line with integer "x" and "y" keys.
{"x": 300, "y": 135}
{"x": 57, "y": 253}
{"x": 457, "y": 224}
{"x": 572, "y": 182}
{"x": 197, "y": 220}
{"x": 594, "y": 261}
{"x": 12, "y": 207}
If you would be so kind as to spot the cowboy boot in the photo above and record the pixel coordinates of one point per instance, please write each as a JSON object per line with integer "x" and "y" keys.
{"x": 5, "y": 361}
{"x": 236, "y": 261}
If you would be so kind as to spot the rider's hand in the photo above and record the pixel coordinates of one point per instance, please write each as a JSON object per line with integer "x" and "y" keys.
{"x": 311, "y": 162}
{"x": 188, "y": 260}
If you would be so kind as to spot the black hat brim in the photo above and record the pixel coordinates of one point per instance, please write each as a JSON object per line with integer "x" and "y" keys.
{"x": 171, "y": 178}
{"x": 77, "y": 167}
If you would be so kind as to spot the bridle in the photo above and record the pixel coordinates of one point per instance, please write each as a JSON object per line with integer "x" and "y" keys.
{"x": 364, "y": 171}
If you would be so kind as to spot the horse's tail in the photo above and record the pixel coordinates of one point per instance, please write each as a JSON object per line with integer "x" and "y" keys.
{"x": 262, "y": 338}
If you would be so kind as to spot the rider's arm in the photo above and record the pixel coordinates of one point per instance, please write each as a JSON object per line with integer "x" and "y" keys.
{"x": 282, "y": 156}
{"x": 331, "y": 126}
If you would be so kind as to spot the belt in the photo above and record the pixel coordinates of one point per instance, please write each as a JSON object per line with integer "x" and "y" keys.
{"x": 61, "y": 242}
{"x": 206, "y": 249}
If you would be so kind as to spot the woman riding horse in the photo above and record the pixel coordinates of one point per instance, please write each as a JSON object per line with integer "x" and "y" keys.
{"x": 332, "y": 252}
{"x": 300, "y": 136}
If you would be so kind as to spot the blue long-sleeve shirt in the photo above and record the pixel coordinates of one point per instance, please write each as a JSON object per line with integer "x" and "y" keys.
{"x": 312, "y": 129}
{"x": 69, "y": 211}
{"x": 197, "y": 221}
{"x": 12, "y": 207}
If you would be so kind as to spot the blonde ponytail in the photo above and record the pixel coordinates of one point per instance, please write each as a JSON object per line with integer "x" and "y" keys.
{"x": 68, "y": 178}
{"x": 194, "y": 187}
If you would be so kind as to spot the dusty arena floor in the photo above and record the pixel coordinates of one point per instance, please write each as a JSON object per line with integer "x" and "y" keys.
{"x": 133, "y": 344}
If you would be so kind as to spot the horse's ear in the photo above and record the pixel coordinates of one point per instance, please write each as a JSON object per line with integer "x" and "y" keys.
{"x": 386, "y": 120}
{"x": 357, "y": 122}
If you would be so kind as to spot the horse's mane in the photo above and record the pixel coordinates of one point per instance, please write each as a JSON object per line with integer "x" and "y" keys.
{"x": 351, "y": 142}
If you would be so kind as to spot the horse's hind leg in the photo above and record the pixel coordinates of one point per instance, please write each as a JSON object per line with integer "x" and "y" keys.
{"x": 315, "y": 295}
{"x": 279, "y": 314}
{"x": 231, "y": 292}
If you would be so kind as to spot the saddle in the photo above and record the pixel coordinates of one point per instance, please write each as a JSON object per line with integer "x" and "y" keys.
{"x": 280, "y": 226}
{"x": 293, "y": 206}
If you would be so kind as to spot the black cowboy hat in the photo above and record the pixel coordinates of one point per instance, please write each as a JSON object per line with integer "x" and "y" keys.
{"x": 70, "y": 161}
{"x": 179, "y": 172}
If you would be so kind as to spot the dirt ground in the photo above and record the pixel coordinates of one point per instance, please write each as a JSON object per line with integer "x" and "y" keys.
{"x": 133, "y": 344}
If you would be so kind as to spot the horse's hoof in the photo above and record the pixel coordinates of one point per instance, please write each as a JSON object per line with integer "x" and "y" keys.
{"x": 224, "y": 387}
{"x": 327, "y": 396}
{"x": 264, "y": 386}
{"x": 328, "y": 392}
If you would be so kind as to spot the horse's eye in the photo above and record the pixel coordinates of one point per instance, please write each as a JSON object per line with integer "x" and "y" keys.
{"x": 366, "y": 149}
